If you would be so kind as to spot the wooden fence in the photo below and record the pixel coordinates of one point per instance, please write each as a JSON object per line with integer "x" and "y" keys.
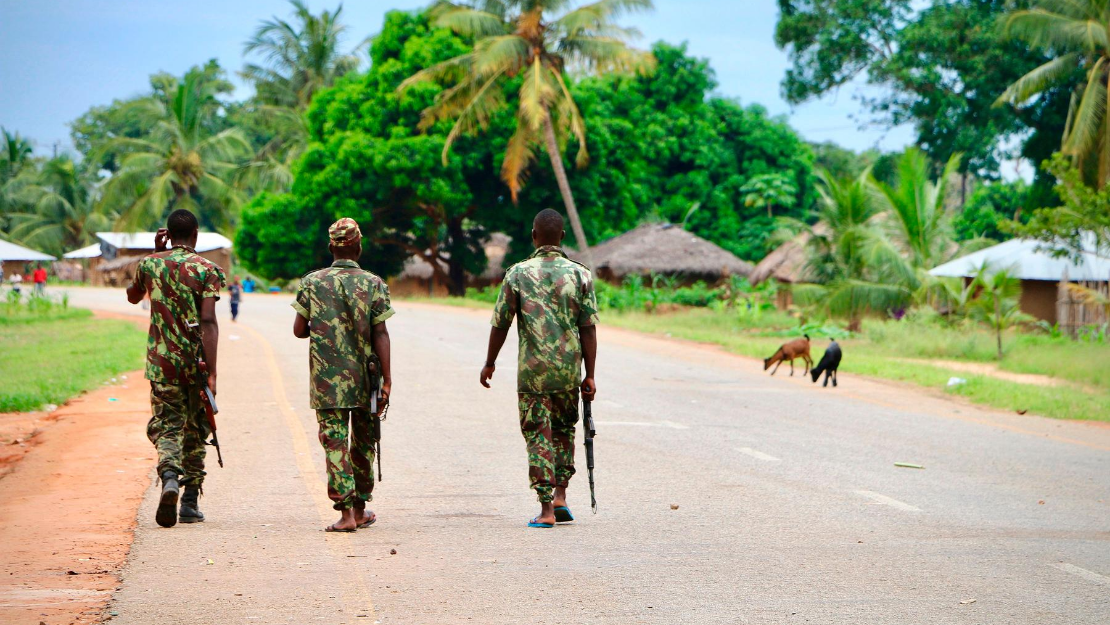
{"x": 1072, "y": 314}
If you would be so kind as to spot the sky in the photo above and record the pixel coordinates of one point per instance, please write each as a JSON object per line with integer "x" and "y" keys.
{"x": 58, "y": 58}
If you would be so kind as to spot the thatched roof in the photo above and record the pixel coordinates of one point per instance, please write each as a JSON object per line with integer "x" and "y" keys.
{"x": 787, "y": 262}
{"x": 496, "y": 246}
{"x": 665, "y": 249}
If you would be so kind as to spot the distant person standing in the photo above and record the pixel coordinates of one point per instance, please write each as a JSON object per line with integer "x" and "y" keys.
{"x": 17, "y": 281}
{"x": 39, "y": 278}
{"x": 183, "y": 288}
{"x": 342, "y": 309}
{"x": 553, "y": 300}
{"x": 235, "y": 291}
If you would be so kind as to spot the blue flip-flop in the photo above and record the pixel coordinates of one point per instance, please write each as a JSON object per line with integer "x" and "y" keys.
{"x": 563, "y": 515}
{"x": 545, "y": 526}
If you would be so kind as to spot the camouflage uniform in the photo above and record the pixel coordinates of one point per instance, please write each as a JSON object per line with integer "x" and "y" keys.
{"x": 552, "y": 297}
{"x": 177, "y": 280}
{"x": 341, "y": 304}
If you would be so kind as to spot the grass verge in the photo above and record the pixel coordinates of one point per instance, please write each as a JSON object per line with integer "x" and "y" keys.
{"x": 51, "y": 359}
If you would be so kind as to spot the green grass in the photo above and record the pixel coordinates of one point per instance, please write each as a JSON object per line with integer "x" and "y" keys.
{"x": 49, "y": 359}
{"x": 879, "y": 349}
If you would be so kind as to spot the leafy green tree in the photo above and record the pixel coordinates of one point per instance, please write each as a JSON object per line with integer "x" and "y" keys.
{"x": 518, "y": 38}
{"x": 768, "y": 191}
{"x": 60, "y": 212}
{"x": 1081, "y": 221}
{"x": 1074, "y": 34}
{"x": 997, "y": 303}
{"x": 989, "y": 208}
{"x": 937, "y": 65}
{"x": 661, "y": 143}
{"x": 179, "y": 163}
{"x": 369, "y": 161}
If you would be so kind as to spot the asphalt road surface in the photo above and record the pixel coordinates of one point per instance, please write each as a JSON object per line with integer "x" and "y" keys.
{"x": 726, "y": 496}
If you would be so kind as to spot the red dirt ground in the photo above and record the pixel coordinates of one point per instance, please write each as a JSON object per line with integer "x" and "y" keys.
{"x": 60, "y": 564}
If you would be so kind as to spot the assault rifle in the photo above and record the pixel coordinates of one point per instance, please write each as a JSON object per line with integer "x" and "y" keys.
{"x": 374, "y": 381}
{"x": 588, "y": 426}
{"x": 208, "y": 398}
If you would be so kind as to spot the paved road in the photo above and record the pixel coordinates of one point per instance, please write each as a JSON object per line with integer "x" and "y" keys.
{"x": 789, "y": 506}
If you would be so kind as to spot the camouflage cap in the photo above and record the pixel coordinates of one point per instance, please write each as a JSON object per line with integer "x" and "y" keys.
{"x": 345, "y": 232}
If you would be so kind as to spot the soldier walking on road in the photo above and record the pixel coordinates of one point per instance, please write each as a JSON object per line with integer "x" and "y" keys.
{"x": 183, "y": 289}
{"x": 343, "y": 310}
{"x": 553, "y": 299}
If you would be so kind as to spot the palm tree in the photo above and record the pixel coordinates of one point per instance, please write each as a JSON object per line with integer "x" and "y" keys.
{"x": 920, "y": 223}
{"x": 768, "y": 191}
{"x": 61, "y": 211}
{"x": 16, "y": 167}
{"x": 997, "y": 302}
{"x": 179, "y": 165}
{"x": 1075, "y": 33}
{"x": 298, "y": 59}
{"x": 524, "y": 38}
{"x": 854, "y": 270}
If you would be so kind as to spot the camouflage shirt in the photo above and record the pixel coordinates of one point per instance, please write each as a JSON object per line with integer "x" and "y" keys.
{"x": 552, "y": 296}
{"x": 341, "y": 304}
{"x": 176, "y": 280}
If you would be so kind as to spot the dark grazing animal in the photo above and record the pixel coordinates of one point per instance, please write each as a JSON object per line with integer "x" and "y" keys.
{"x": 798, "y": 348}
{"x": 830, "y": 362}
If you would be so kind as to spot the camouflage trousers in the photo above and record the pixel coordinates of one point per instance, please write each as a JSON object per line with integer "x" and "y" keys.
{"x": 547, "y": 421}
{"x": 348, "y": 440}
{"x": 178, "y": 429}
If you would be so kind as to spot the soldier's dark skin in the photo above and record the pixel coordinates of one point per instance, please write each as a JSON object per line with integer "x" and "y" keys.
{"x": 379, "y": 340}
{"x": 209, "y": 326}
{"x": 588, "y": 336}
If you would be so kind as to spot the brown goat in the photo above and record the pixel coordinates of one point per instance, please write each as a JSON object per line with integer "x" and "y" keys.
{"x": 798, "y": 348}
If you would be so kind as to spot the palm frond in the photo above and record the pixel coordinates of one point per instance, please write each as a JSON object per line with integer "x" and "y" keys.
{"x": 1090, "y": 115}
{"x": 537, "y": 93}
{"x": 469, "y": 22}
{"x": 1038, "y": 80}
{"x": 1054, "y": 31}
{"x": 519, "y": 154}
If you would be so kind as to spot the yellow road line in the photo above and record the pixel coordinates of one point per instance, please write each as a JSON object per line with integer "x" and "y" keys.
{"x": 316, "y": 486}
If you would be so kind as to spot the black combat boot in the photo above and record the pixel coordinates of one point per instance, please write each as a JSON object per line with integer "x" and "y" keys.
{"x": 190, "y": 509}
{"x": 167, "y": 503}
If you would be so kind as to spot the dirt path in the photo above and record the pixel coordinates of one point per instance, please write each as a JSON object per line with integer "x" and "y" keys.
{"x": 991, "y": 370}
{"x": 68, "y": 513}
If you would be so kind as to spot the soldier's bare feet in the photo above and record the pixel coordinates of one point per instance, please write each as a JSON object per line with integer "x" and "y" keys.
{"x": 547, "y": 514}
{"x": 560, "y": 497}
{"x": 346, "y": 523}
{"x": 364, "y": 517}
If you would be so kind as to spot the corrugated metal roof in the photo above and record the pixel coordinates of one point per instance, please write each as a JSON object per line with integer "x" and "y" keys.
{"x": 206, "y": 241}
{"x": 90, "y": 251}
{"x": 11, "y": 251}
{"x": 1028, "y": 262}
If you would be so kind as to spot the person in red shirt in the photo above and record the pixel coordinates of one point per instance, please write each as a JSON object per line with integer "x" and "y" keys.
{"x": 39, "y": 277}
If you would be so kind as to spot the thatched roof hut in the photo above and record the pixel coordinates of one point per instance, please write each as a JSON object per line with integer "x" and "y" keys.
{"x": 664, "y": 249}
{"x": 786, "y": 263}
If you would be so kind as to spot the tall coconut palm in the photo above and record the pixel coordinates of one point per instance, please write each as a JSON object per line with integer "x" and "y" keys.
{"x": 298, "y": 58}
{"x": 179, "y": 165}
{"x": 529, "y": 39}
{"x": 1076, "y": 33}
{"x": 60, "y": 209}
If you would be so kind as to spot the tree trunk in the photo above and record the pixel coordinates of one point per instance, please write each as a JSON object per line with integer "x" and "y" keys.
{"x": 564, "y": 189}
{"x": 998, "y": 325}
{"x": 456, "y": 274}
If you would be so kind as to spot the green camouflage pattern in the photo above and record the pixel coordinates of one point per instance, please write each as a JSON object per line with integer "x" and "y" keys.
{"x": 178, "y": 429}
{"x": 341, "y": 304}
{"x": 547, "y": 422}
{"x": 176, "y": 281}
{"x": 551, "y": 296}
{"x": 345, "y": 232}
{"x": 350, "y": 461}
